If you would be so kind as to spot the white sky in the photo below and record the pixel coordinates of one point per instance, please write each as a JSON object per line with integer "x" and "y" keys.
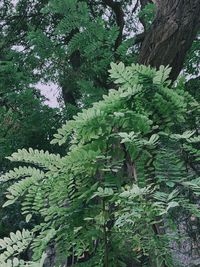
{"x": 51, "y": 92}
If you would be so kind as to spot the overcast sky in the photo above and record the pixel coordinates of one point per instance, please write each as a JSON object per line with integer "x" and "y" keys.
{"x": 51, "y": 92}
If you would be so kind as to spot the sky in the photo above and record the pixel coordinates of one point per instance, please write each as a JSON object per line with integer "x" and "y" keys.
{"x": 51, "y": 92}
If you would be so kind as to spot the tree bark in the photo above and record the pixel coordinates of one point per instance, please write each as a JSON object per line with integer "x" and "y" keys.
{"x": 171, "y": 34}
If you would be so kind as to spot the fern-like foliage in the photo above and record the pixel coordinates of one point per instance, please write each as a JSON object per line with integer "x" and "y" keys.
{"x": 126, "y": 169}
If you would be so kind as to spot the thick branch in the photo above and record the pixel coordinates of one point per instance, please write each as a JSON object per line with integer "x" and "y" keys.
{"x": 136, "y": 6}
{"x": 139, "y": 38}
{"x": 119, "y": 14}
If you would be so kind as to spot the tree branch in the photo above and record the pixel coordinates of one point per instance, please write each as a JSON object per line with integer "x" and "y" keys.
{"x": 139, "y": 38}
{"x": 119, "y": 14}
{"x": 136, "y": 6}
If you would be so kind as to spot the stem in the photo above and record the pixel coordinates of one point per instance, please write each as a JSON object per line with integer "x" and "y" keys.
{"x": 73, "y": 258}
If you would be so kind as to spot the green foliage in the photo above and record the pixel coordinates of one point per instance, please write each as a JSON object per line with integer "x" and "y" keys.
{"x": 70, "y": 43}
{"x": 24, "y": 118}
{"x": 79, "y": 47}
{"x": 148, "y": 14}
{"x": 192, "y": 61}
{"x": 15, "y": 244}
{"x": 124, "y": 172}
{"x": 133, "y": 157}
{"x": 25, "y": 121}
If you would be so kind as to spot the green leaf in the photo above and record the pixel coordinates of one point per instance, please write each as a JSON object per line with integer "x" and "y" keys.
{"x": 28, "y": 217}
{"x": 172, "y": 204}
{"x": 8, "y": 202}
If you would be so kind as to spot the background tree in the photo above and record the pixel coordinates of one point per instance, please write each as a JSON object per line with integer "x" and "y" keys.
{"x": 25, "y": 121}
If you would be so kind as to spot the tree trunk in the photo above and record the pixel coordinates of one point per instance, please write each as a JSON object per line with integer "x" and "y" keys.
{"x": 171, "y": 34}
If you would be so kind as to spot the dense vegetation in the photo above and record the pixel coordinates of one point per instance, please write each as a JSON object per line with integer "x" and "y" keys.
{"x": 119, "y": 184}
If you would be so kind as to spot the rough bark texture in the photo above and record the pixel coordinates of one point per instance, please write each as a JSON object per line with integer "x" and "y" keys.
{"x": 171, "y": 35}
